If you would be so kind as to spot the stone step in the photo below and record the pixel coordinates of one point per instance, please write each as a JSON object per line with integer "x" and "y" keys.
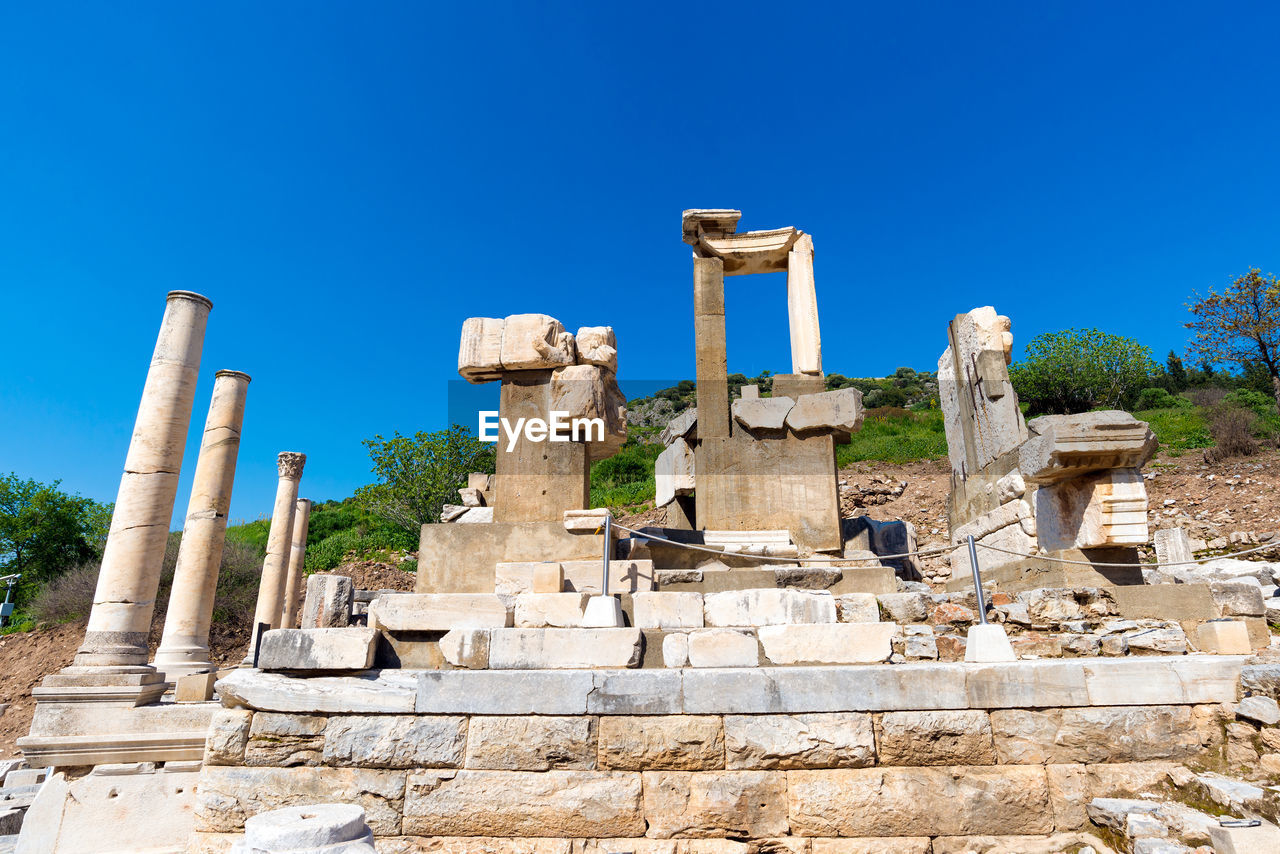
{"x": 853, "y": 579}
{"x": 427, "y": 612}
{"x": 1175, "y": 680}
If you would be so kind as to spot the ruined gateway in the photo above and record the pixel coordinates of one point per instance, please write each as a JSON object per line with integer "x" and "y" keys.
{"x": 768, "y": 677}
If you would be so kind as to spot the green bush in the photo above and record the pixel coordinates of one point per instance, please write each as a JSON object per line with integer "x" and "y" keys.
{"x": 1159, "y": 398}
{"x": 625, "y": 480}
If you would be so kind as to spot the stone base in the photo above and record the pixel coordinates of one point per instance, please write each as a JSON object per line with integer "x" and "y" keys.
{"x": 462, "y": 558}
{"x": 133, "y": 808}
{"x": 837, "y": 580}
{"x": 118, "y": 686}
{"x": 1032, "y": 573}
{"x": 64, "y": 734}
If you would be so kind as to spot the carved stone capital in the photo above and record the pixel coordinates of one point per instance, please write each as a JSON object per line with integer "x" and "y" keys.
{"x": 290, "y": 463}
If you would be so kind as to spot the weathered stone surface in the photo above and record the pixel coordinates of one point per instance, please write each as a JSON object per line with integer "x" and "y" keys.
{"x": 510, "y": 578}
{"x": 769, "y": 742}
{"x": 958, "y": 737}
{"x": 379, "y": 692}
{"x": 316, "y": 827}
{"x": 715, "y": 803}
{"x": 598, "y": 345}
{"x": 1239, "y": 598}
{"x": 466, "y": 648}
{"x": 318, "y": 649}
{"x": 666, "y": 742}
{"x": 675, "y": 650}
{"x": 479, "y": 845}
{"x": 723, "y": 648}
{"x": 873, "y": 845}
{"x": 555, "y": 649}
{"x": 683, "y": 426}
{"x": 227, "y": 796}
{"x": 395, "y": 741}
{"x": 533, "y": 342}
{"x": 636, "y": 692}
{"x": 1011, "y": 513}
{"x": 480, "y": 349}
{"x": 438, "y": 612}
{"x": 1263, "y": 710}
{"x": 576, "y": 804}
{"x": 858, "y": 608}
{"x": 667, "y": 610}
{"x": 824, "y": 689}
{"x": 763, "y": 413}
{"x": 890, "y": 801}
{"x": 550, "y": 610}
{"x": 839, "y": 410}
{"x": 328, "y": 601}
{"x": 528, "y": 743}
{"x": 673, "y": 472}
{"x": 1173, "y": 546}
{"x": 762, "y": 607}
{"x": 1096, "y": 734}
{"x": 906, "y": 608}
{"x": 283, "y": 740}
{"x": 503, "y": 692}
{"x": 1104, "y": 509}
{"x": 228, "y": 736}
{"x": 625, "y": 576}
{"x": 1066, "y": 446}
{"x": 1263, "y": 679}
{"x": 828, "y": 643}
{"x": 1074, "y": 841}
{"x": 1188, "y": 679}
{"x": 1223, "y": 637}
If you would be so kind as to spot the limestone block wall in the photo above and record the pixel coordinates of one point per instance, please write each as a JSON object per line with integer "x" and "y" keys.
{"x": 916, "y": 758}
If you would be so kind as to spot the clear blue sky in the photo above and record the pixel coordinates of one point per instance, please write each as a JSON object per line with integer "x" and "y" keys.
{"x": 347, "y": 182}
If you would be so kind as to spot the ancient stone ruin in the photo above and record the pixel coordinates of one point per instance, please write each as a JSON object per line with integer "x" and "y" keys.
{"x": 1061, "y": 486}
{"x": 770, "y": 679}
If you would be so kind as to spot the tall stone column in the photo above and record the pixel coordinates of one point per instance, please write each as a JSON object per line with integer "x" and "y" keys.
{"x": 275, "y": 567}
{"x": 297, "y": 557}
{"x": 116, "y": 637}
{"x": 711, "y": 349}
{"x": 184, "y": 647}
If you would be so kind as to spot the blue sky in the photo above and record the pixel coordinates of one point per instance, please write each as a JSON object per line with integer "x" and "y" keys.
{"x": 348, "y": 182}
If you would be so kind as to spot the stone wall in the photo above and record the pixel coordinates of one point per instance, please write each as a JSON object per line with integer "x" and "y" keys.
{"x": 834, "y": 760}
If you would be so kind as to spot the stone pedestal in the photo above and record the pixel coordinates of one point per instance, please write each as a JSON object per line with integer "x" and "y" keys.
{"x": 297, "y": 557}
{"x": 279, "y": 542}
{"x": 184, "y": 648}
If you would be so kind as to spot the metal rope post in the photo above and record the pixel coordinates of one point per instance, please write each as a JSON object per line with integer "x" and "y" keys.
{"x": 608, "y": 542}
{"x": 977, "y": 580}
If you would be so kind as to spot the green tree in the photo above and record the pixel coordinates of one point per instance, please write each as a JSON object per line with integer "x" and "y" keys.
{"x": 1077, "y": 370}
{"x": 419, "y": 474}
{"x": 44, "y": 531}
{"x": 1240, "y": 325}
{"x": 1176, "y": 372}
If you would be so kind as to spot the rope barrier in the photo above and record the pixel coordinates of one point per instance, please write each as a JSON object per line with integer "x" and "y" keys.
{"x": 1154, "y": 564}
{"x": 775, "y": 558}
{"x": 933, "y": 551}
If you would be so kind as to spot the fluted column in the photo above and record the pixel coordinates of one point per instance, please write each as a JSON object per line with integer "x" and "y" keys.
{"x": 297, "y": 557}
{"x": 124, "y": 601}
{"x": 184, "y": 647}
{"x": 275, "y": 567}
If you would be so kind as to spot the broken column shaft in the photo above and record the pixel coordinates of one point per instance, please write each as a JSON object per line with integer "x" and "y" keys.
{"x": 275, "y": 566}
{"x": 184, "y": 648}
{"x": 297, "y": 557}
{"x": 124, "y": 601}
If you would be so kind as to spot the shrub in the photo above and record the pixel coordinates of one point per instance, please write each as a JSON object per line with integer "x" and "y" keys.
{"x": 1232, "y": 429}
{"x": 896, "y": 435}
{"x": 1249, "y": 399}
{"x": 1178, "y": 429}
{"x": 1210, "y": 396}
{"x": 1159, "y": 398}
{"x": 68, "y": 596}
